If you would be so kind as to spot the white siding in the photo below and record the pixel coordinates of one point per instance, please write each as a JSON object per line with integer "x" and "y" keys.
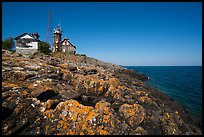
{"x": 34, "y": 45}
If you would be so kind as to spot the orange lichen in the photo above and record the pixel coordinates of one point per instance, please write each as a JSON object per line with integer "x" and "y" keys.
{"x": 91, "y": 115}
{"x": 24, "y": 93}
{"x": 31, "y": 86}
{"x": 53, "y": 129}
{"x": 74, "y": 102}
{"x": 121, "y": 87}
{"x": 113, "y": 80}
{"x": 4, "y": 83}
{"x": 83, "y": 126}
{"x": 103, "y": 132}
{"x": 167, "y": 115}
{"x": 117, "y": 96}
{"x": 143, "y": 98}
{"x": 64, "y": 127}
{"x": 94, "y": 85}
{"x": 102, "y": 107}
{"x": 134, "y": 114}
{"x": 140, "y": 92}
{"x": 47, "y": 88}
{"x": 74, "y": 118}
{"x": 63, "y": 65}
{"x": 111, "y": 91}
{"x": 90, "y": 132}
{"x": 46, "y": 127}
{"x": 13, "y": 85}
{"x": 71, "y": 132}
{"x": 100, "y": 89}
{"x": 105, "y": 119}
{"x": 112, "y": 123}
{"x": 112, "y": 87}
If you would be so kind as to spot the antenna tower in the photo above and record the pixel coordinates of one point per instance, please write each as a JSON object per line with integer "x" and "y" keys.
{"x": 49, "y": 29}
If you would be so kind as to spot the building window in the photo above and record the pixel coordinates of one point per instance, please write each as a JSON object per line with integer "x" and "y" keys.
{"x": 63, "y": 50}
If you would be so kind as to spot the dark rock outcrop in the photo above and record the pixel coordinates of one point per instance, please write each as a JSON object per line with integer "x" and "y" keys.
{"x": 78, "y": 95}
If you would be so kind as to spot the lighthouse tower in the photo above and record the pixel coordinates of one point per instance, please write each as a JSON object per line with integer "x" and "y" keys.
{"x": 57, "y": 39}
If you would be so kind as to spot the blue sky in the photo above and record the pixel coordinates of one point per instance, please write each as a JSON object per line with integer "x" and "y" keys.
{"x": 124, "y": 33}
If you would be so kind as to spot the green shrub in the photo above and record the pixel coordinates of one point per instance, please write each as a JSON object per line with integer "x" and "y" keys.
{"x": 44, "y": 47}
{"x": 8, "y": 43}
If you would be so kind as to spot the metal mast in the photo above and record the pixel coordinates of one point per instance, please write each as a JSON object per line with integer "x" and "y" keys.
{"x": 49, "y": 30}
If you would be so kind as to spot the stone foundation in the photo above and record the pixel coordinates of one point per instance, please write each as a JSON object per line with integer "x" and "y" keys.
{"x": 26, "y": 51}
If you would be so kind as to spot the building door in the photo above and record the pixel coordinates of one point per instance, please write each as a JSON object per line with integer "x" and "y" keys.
{"x": 63, "y": 50}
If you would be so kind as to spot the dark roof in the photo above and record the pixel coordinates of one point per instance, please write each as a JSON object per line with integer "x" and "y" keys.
{"x": 68, "y": 41}
{"x": 65, "y": 39}
{"x": 25, "y": 34}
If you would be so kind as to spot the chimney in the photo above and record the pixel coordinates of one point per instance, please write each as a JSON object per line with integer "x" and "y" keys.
{"x": 36, "y": 35}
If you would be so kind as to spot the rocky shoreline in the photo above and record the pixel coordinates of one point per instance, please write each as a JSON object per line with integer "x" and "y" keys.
{"x": 78, "y": 95}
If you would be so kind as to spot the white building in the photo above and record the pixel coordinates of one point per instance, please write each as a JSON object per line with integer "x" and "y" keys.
{"x": 27, "y": 43}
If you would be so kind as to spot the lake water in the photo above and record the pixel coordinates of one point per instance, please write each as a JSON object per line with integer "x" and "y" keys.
{"x": 182, "y": 83}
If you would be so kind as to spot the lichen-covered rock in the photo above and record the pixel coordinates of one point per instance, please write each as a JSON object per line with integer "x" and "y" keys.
{"x": 18, "y": 75}
{"x": 66, "y": 94}
{"x": 75, "y": 118}
{"x": 168, "y": 125}
{"x": 105, "y": 118}
{"x": 133, "y": 114}
{"x": 32, "y": 67}
{"x": 67, "y": 78}
{"x": 140, "y": 131}
{"x": 91, "y": 71}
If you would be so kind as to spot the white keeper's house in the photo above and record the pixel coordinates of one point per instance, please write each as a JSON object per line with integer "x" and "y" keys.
{"x": 27, "y": 43}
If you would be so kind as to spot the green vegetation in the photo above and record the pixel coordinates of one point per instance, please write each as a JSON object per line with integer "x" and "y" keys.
{"x": 88, "y": 82}
{"x": 8, "y": 43}
{"x": 44, "y": 47}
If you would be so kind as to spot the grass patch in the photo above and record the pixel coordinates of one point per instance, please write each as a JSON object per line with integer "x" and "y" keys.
{"x": 88, "y": 82}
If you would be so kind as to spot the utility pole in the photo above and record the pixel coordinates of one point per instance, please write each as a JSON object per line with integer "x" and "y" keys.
{"x": 49, "y": 30}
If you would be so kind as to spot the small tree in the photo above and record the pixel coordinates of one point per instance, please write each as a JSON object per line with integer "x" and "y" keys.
{"x": 44, "y": 47}
{"x": 8, "y": 43}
